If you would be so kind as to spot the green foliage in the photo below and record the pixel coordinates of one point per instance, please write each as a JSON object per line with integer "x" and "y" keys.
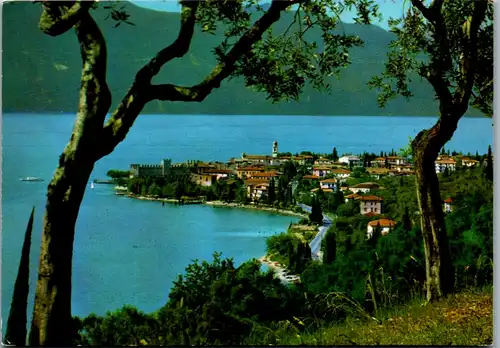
{"x": 281, "y": 65}
{"x": 116, "y": 174}
{"x": 391, "y": 268}
{"x": 316, "y": 214}
{"x": 329, "y": 246}
{"x": 407, "y": 151}
{"x": 279, "y": 244}
{"x": 333, "y": 201}
{"x": 335, "y": 155}
{"x": 419, "y": 51}
{"x": 16, "y": 324}
{"x": 219, "y": 303}
{"x": 488, "y": 170}
{"x": 348, "y": 209}
{"x": 219, "y": 291}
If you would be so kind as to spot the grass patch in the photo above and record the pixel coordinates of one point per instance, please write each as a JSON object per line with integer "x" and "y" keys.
{"x": 461, "y": 319}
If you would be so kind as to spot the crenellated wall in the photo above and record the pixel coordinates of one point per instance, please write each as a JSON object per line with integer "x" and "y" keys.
{"x": 156, "y": 170}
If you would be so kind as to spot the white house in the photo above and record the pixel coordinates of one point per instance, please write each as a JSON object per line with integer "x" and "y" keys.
{"x": 203, "y": 179}
{"x": 364, "y": 187}
{"x": 396, "y": 160}
{"x": 469, "y": 162}
{"x": 256, "y": 187}
{"x": 354, "y": 160}
{"x": 340, "y": 173}
{"x": 442, "y": 164}
{"x": 371, "y": 204}
{"x": 329, "y": 184}
{"x": 385, "y": 225}
{"x": 448, "y": 208}
{"x": 323, "y": 161}
{"x": 322, "y": 171}
{"x": 218, "y": 173}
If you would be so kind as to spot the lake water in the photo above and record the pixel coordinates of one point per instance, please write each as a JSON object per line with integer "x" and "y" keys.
{"x": 108, "y": 271}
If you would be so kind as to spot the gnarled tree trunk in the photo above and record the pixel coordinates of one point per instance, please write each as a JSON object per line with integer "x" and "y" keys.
{"x": 426, "y": 147}
{"x": 51, "y": 322}
{"x": 53, "y": 290}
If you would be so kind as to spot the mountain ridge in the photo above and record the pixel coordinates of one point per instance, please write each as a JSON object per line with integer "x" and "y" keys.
{"x": 41, "y": 73}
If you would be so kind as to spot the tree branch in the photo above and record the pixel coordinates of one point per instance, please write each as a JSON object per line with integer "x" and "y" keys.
{"x": 131, "y": 105}
{"x": 468, "y": 61}
{"x": 177, "y": 49}
{"x": 95, "y": 96}
{"x": 57, "y": 18}
{"x": 441, "y": 62}
{"x": 224, "y": 69}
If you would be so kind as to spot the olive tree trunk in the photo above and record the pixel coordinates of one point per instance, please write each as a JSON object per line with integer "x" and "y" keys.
{"x": 52, "y": 311}
{"x": 51, "y": 322}
{"x": 439, "y": 270}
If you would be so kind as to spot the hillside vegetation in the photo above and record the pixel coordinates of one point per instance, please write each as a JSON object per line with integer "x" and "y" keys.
{"x": 41, "y": 73}
{"x": 366, "y": 291}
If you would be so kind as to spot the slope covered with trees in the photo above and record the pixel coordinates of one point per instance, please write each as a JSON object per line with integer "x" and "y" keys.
{"x": 41, "y": 73}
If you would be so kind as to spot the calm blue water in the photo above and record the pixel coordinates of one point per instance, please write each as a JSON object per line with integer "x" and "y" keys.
{"x": 108, "y": 272}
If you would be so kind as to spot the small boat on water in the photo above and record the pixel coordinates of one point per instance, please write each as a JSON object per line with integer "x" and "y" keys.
{"x": 31, "y": 178}
{"x": 92, "y": 185}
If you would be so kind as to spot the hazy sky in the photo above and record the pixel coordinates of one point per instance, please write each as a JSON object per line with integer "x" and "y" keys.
{"x": 388, "y": 8}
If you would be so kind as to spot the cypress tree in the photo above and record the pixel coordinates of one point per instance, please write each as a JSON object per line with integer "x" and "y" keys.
{"x": 446, "y": 172}
{"x": 16, "y": 324}
{"x": 281, "y": 189}
{"x": 330, "y": 249}
{"x": 271, "y": 195}
{"x": 489, "y": 165}
{"x": 406, "y": 221}
{"x": 335, "y": 155}
{"x": 316, "y": 213}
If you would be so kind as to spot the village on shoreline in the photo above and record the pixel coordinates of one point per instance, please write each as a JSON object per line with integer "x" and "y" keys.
{"x": 284, "y": 183}
{"x": 259, "y": 174}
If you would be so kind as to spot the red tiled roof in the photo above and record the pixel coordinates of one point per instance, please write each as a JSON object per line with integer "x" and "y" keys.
{"x": 382, "y": 223}
{"x": 258, "y": 157}
{"x": 323, "y": 189}
{"x": 246, "y": 169}
{"x": 353, "y": 196}
{"x": 251, "y": 182}
{"x": 323, "y": 167}
{"x": 341, "y": 171}
{"x": 265, "y": 174}
{"x": 311, "y": 177}
{"x": 446, "y": 161}
{"x": 370, "y": 198}
{"x": 366, "y": 185}
{"x": 448, "y": 200}
{"x": 204, "y": 165}
{"x": 329, "y": 180}
{"x": 370, "y": 214}
{"x": 377, "y": 170}
{"x": 219, "y": 171}
{"x": 465, "y": 159}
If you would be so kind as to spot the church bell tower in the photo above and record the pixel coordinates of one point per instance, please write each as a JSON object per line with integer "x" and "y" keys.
{"x": 275, "y": 149}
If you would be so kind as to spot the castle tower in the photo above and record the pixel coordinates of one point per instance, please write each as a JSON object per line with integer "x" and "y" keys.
{"x": 275, "y": 149}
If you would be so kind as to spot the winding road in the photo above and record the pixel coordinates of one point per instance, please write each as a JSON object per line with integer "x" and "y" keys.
{"x": 316, "y": 242}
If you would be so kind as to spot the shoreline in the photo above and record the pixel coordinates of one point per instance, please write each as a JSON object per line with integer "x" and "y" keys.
{"x": 219, "y": 204}
{"x": 251, "y": 206}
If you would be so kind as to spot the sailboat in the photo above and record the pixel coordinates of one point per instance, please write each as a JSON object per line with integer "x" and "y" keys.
{"x": 92, "y": 185}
